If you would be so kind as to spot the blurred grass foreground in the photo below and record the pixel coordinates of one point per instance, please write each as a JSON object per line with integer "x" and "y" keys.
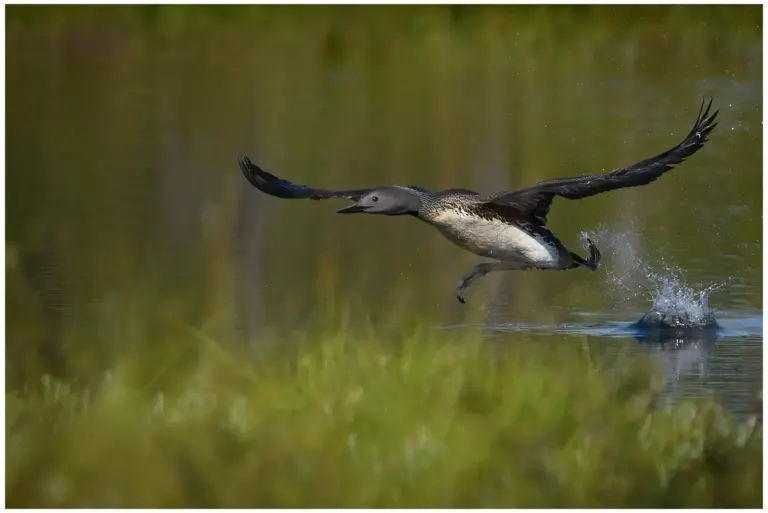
{"x": 119, "y": 224}
{"x": 356, "y": 420}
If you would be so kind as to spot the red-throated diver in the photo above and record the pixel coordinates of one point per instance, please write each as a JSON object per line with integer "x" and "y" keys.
{"x": 509, "y": 226}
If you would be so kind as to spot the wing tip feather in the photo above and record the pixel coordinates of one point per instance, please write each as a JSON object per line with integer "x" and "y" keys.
{"x": 262, "y": 180}
{"x": 247, "y": 167}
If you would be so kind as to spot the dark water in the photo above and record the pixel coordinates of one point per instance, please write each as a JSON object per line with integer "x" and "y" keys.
{"x": 126, "y": 207}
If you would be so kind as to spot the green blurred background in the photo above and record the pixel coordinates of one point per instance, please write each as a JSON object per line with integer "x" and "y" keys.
{"x": 128, "y": 218}
{"x": 176, "y": 338}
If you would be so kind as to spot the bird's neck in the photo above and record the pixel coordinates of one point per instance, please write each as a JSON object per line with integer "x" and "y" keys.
{"x": 413, "y": 202}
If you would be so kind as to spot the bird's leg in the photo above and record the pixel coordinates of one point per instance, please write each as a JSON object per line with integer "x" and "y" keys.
{"x": 481, "y": 270}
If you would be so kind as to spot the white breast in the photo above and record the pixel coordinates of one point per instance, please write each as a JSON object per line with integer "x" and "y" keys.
{"x": 495, "y": 239}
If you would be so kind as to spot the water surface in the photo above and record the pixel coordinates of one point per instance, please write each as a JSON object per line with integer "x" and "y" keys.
{"x": 125, "y": 203}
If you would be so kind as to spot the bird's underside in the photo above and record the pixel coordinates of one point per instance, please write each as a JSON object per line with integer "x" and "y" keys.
{"x": 525, "y": 209}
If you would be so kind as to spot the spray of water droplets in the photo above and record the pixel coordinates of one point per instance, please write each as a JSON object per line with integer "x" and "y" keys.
{"x": 631, "y": 276}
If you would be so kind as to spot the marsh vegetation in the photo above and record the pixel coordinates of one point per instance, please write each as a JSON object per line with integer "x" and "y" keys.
{"x": 174, "y": 338}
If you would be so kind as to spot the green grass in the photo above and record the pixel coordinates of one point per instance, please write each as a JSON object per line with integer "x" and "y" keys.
{"x": 356, "y": 419}
{"x": 97, "y": 263}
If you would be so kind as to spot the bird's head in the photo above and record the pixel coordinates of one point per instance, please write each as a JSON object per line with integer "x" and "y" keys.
{"x": 389, "y": 201}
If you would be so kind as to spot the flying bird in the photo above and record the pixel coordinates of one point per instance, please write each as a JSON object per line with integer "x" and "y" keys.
{"x": 507, "y": 226}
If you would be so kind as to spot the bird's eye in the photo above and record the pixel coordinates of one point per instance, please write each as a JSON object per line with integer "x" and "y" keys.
{"x": 374, "y": 199}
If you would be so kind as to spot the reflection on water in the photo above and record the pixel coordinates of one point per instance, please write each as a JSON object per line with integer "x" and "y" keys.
{"x": 719, "y": 362}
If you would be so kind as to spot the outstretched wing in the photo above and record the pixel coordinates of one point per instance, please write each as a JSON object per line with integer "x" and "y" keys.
{"x": 274, "y": 186}
{"x": 537, "y": 199}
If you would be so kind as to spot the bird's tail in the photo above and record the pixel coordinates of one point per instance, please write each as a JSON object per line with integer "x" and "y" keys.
{"x": 594, "y": 257}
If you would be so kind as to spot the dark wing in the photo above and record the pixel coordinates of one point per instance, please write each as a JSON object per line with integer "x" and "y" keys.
{"x": 537, "y": 199}
{"x": 274, "y": 186}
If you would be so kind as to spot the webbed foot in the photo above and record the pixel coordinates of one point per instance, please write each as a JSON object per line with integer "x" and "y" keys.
{"x": 594, "y": 255}
{"x": 476, "y": 272}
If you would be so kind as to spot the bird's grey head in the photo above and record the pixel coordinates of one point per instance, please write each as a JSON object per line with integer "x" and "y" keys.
{"x": 391, "y": 201}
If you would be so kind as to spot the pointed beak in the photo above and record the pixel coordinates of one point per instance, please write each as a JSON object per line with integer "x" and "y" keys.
{"x": 352, "y": 209}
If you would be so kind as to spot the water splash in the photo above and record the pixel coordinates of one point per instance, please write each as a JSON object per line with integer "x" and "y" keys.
{"x": 665, "y": 285}
{"x": 672, "y": 296}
